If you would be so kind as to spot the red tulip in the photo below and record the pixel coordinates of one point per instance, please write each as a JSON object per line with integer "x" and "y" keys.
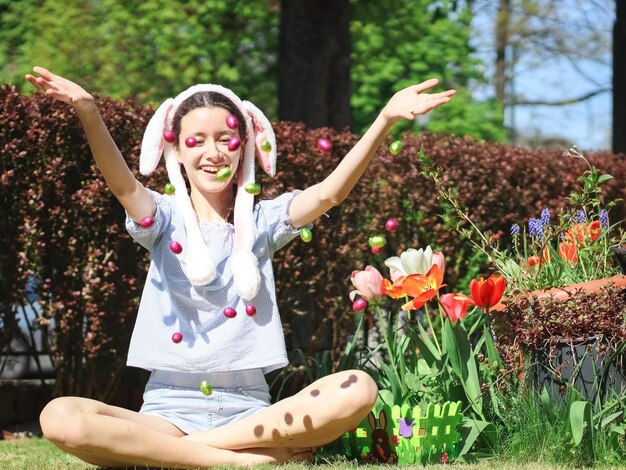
{"x": 594, "y": 229}
{"x": 487, "y": 293}
{"x": 533, "y": 260}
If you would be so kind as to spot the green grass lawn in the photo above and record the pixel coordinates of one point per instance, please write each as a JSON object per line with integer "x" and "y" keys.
{"x": 31, "y": 454}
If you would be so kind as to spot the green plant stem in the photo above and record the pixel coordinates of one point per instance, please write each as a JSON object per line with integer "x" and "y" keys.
{"x": 430, "y": 325}
{"x": 383, "y": 327}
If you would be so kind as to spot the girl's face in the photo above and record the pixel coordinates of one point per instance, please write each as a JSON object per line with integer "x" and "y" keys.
{"x": 210, "y": 154}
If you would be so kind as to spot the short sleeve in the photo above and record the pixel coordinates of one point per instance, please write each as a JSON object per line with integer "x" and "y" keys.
{"x": 275, "y": 215}
{"x": 147, "y": 237}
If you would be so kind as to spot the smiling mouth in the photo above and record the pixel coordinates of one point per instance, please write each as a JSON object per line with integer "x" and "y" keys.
{"x": 213, "y": 169}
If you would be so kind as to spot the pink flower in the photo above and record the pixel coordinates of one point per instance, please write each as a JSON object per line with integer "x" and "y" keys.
{"x": 368, "y": 283}
{"x": 455, "y": 306}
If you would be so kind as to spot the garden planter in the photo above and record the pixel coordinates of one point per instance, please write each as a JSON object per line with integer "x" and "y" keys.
{"x": 401, "y": 435}
{"x": 584, "y": 363}
{"x": 562, "y": 293}
{"x": 571, "y": 335}
{"x": 620, "y": 253}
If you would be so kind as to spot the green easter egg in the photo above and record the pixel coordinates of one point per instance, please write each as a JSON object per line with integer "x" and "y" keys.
{"x": 396, "y": 147}
{"x": 306, "y": 234}
{"x": 223, "y": 174}
{"x": 377, "y": 241}
{"x": 205, "y": 388}
{"x": 253, "y": 188}
{"x": 266, "y": 146}
{"x": 169, "y": 189}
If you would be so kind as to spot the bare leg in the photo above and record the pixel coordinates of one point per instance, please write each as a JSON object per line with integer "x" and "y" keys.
{"x": 110, "y": 436}
{"x": 317, "y": 415}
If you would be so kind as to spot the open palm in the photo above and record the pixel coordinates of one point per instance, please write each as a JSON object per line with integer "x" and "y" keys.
{"x": 60, "y": 88}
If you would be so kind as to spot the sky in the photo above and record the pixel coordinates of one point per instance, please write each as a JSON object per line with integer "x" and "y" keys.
{"x": 586, "y": 124}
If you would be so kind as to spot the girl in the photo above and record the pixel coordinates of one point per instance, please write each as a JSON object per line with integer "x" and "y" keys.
{"x": 208, "y": 327}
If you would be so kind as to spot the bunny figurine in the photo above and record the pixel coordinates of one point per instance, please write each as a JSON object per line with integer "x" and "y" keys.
{"x": 381, "y": 449}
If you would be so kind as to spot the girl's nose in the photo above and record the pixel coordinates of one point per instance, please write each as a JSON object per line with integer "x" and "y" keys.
{"x": 210, "y": 149}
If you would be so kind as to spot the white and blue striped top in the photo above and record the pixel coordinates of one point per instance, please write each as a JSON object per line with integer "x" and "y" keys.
{"x": 170, "y": 303}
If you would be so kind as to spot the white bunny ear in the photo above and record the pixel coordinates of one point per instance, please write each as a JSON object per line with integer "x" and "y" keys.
{"x": 153, "y": 142}
{"x": 246, "y": 274}
{"x": 263, "y": 132}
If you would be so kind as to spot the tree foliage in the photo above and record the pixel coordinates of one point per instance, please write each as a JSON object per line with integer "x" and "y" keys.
{"x": 146, "y": 50}
{"x": 153, "y": 49}
{"x": 408, "y": 41}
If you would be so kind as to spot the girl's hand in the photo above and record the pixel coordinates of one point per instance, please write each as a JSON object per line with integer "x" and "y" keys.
{"x": 412, "y": 101}
{"x": 61, "y": 89}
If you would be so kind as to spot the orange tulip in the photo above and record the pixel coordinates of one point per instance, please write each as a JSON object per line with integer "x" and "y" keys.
{"x": 579, "y": 234}
{"x": 487, "y": 293}
{"x": 576, "y": 234}
{"x": 568, "y": 252}
{"x": 394, "y": 290}
{"x": 422, "y": 287}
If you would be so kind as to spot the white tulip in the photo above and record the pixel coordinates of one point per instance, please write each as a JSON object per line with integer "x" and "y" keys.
{"x": 414, "y": 261}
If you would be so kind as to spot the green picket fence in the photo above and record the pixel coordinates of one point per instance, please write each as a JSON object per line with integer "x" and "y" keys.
{"x": 399, "y": 434}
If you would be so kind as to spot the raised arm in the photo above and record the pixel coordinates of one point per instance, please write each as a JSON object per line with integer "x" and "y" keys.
{"x": 405, "y": 104}
{"x": 136, "y": 199}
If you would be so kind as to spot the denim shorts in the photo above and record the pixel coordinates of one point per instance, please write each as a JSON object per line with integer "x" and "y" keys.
{"x": 176, "y": 397}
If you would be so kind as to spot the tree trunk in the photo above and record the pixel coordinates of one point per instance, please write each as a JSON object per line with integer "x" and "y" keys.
{"x": 619, "y": 78}
{"x": 314, "y": 63}
{"x": 502, "y": 41}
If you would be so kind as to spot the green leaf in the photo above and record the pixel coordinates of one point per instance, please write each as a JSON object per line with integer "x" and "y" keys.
{"x": 604, "y": 178}
{"x": 386, "y": 396}
{"x": 544, "y": 400}
{"x": 580, "y": 418}
{"x": 490, "y": 347}
{"x": 423, "y": 368}
{"x": 394, "y": 381}
{"x": 413, "y": 382}
{"x": 618, "y": 429}
{"x": 426, "y": 347}
{"x": 457, "y": 345}
{"x": 471, "y": 429}
{"x": 573, "y": 395}
{"x": 609, "y": 419}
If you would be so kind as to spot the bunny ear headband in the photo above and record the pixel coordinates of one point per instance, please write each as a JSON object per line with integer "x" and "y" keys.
{"x": 199, "y": 264}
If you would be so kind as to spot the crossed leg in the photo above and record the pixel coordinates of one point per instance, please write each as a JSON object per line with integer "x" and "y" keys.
{"x": 315, "y": 416}
{"x": 114, "y": 437}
